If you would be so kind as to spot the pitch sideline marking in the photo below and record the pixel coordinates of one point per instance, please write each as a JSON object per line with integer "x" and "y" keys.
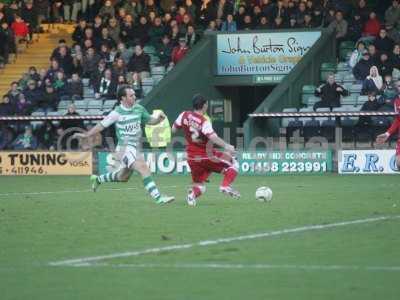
{"x": 82, "y": 260}
{"x": 243, "y": 266}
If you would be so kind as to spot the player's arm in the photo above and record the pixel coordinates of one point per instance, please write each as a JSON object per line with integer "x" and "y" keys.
{"x": 177, "y": 124}
{"x": 221, "y": 143}
{"x": 154, "y": 120}
{"x": 382, "y": 138}
{"x": 106, "y": 122}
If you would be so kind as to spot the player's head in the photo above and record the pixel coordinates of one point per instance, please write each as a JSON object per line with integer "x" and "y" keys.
{"x": 126, "y": 95}
{"x": 199, "y": 103}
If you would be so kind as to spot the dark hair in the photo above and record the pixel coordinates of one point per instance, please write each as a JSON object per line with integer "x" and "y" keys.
{"x": 122, "y": 91}
{"x": 198, "y": 101}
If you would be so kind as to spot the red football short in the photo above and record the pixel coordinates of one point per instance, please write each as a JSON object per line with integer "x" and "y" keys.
{"x": 398, "y": 148}
{"x": 202, "y": 168}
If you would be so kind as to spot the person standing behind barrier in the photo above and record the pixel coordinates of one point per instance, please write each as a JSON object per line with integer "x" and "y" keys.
{"x": 330, "y": 93}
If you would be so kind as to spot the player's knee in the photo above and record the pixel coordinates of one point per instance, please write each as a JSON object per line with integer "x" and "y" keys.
{"x": 142, "y": 168}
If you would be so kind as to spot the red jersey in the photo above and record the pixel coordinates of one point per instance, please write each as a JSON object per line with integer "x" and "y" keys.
{"x": 197, "y": 130}
{"x": 395, "y": 128}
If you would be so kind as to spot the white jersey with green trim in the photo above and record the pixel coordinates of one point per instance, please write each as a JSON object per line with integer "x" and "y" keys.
{"x": 128, "y": 123}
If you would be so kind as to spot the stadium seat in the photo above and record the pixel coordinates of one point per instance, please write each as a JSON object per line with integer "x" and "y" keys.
{"x": 85, "y": 82}
{"x": 339, "y": 77}
{"x": 147, "y": 85}
{"x": 38, "y": 113}
{"x": 94, "y": 104}
{"x": 323, "y": 119}
{"x": 149, "y": 49}
{"x": 312, "y": 100}
{"x": 310, "y": 129}
{"x": 94, "y": 111}
{"x": 158, "y": 70}
{"x": 349, "y": 100}
{"x": 347, "y": 126}
{"x": 157, "y": 78}
{"x": 307, "y": 92}
{"x": 361, "y": 100}
{"x": 328, "y": 130}
{"x": 108, "y": 104}
{"x": 285, "y": 121}
{"x": 355, "y": 89}
{"x": 342, "y": 68}
{"x": 64, "y": 104}
{"x": 327, "y": 68}
{"x": 345, "y": 48}
{"x": 81, "y": 104}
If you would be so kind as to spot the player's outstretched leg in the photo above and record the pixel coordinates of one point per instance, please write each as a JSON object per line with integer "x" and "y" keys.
{"x": 121, "y": 175}
{"x": 150, "y": 185}
{"x": 229, "y": 177}
{"x": 196, "y": 191}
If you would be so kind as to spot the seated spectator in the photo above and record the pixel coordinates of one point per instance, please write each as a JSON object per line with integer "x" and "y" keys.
{"x": 372, "y": 26}
{"x": 392, "y": 33}
{"x": 32, "y": 93}
{"x": 79, "y": 32}
{"x": 33, "y": 74}
{"x": 114, "y": 30}
{"x": 278, "y": 23}
{"x": 7, "y": 39}
{"x": 191, "y": 36}
{"x": 385, "y": 66}
{"x": 356, "y": 55}
{"x": 361, "y": 69}
{"x": 389, "y": 94}
{"x": 165, "y": 51}
{"x": 124, "y": 53}
{"x": 330, "y": 93}
{"x": 179, "y": 52}
{"x": 52, "y": 71}
{"x": 14, "y": 92}
{"x": 392, "y": 13}
{"x": 29, "y": 15}
{"x": 89, "y": 62}
{"x": 25, "y": 141}
{"x": 134, "y": 81}
{"x": 75, "y": 87}
{"x": 229, "y": 25}
{"x": 355, "y": 28}
{"x": 68, "y": 128}
{"x": 373, "y": 82}
{"x": 21, "y": 30}
{"x": 107, "y": 10}
{"x": 247, "y": 23}
{"x": 64, "y": 59}
{"x": 371, "y": 105}
{"x": 211, "y": 27}
{"x": 264, "y": 24}
{"x": 340, "y": 27}
{"x": 395, "y": 57}
{"x": 60, "y": 86}
{"x": 47, "y": 136}
{"x": 98, "y": 73}
{"x": 141, "y": 31}
{"x": 22, "y": 106}
{"x": 140, "y": 63}
{"x": 106, "y": 88}
{"x": 6, "y": 108}
{"x": 373, "y": 54}
{"x": 50, "y": 98}
{"x": 383, "y": 42}
{"x": 6, "y": 137}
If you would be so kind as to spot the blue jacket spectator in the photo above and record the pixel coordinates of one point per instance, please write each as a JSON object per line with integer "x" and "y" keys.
{"x": 25, "y": 141}
{"x": 229, "y": 25}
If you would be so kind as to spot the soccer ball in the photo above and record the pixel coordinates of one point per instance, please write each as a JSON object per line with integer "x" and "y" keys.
{"x": 264, "y": 194}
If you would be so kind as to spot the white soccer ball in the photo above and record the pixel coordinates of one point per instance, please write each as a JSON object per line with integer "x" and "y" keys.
{"x": 264, "y": 194}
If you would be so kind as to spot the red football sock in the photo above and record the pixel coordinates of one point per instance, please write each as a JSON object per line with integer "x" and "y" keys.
{"x": 197, "y": 191}
{"x": 229, "y": 176}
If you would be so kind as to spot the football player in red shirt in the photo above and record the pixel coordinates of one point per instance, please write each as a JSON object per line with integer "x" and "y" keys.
{"x": 203, "y": 159}
{"x": 395, "y": 128}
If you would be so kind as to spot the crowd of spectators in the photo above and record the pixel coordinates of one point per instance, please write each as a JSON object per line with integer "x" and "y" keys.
{"x": 111, "y": 36}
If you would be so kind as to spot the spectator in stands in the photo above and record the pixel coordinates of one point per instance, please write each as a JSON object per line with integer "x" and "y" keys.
{"x": 373, "y": 82}
{"x": 385, "y": 66}
{"x": 395, "y": 57}
{"x": 50, "y": 98}
{"x": 60, "y": 86}
{"x": 25, "y": 141}
{"x": 372, "y": 26}
{"x": 371, "y": 105}
{"x": 64, "y": 60}
{"x": 124, "y": 53}
{"x": 247, "y": 23}
{"x": 7, "y": 39}
{"x": 47, "y": 136}
{"x": 14, "y": 92}
{"x": 363, "y": 10}
{"x": 373, "y": 54}
{"x": 355, "y": 28}
{"x": 21, "y": 30}
{"x": 361, "y": 69}
{"x": 68, "y": 128}
{"x": 383, "y": 42}
{"x": 179, "y": 52}
{"x": 98, "y": 73}
{"x": 89, "y": 62}
{"x": 106, "y": 88}
{"x": 68, "y": 124}
{"x": 79, "y": 32}
{"x": 278, "y": 23}
{"x": 357, "y": 54}
{"x": 33, "y": 74}
{"x": 52, "y": 71}
{"x": 165, "y": 51}
{"x": 140, "y": 63}
{"x": 114, "y": 29}
{"x": 22, "y": 106}
{"x": 107, "y": 11}
{"x": 389, "y": 91}
{"x": 32, "y": 93}
{"x": 133, "y": 8}
{"x": 134, "y": 81}
{"x": 119, "y": 67}
{"x": 6, "y": 137}
{"x": 392, "y": 14}
{"x": 6, "y": 108}
{"x": 191, "y": 36}
{"x": 330, "y": 93}
{"x": 29, "y": 15}
{"x": 142, "y": 31}
{"x": 127, "y": 31}
{"x": 75, "y": 87}
{"x": 340, "y": 27}
{"x": 229, "y": 25}
{"x": 392, "y": 33}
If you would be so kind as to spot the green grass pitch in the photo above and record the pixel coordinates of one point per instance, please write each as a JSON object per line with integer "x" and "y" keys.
{"x": 51, "y": 219}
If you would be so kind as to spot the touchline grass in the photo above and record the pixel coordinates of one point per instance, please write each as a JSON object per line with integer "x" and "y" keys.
{"x": 51, "y": 219}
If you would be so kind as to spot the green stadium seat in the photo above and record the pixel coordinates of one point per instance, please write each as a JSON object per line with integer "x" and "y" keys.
{"x": 345, "y": 48}
{"x": 149, "y": 49}
{"x": 355, "y": 89}
{"x": 327, "y": 68}
{"x": 349, "y": 100}
{"x": 307, "y": 92}
{"x": 361, "y": 99}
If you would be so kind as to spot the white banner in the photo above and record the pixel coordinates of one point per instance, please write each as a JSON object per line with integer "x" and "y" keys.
{"x": 367, "y": 162}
